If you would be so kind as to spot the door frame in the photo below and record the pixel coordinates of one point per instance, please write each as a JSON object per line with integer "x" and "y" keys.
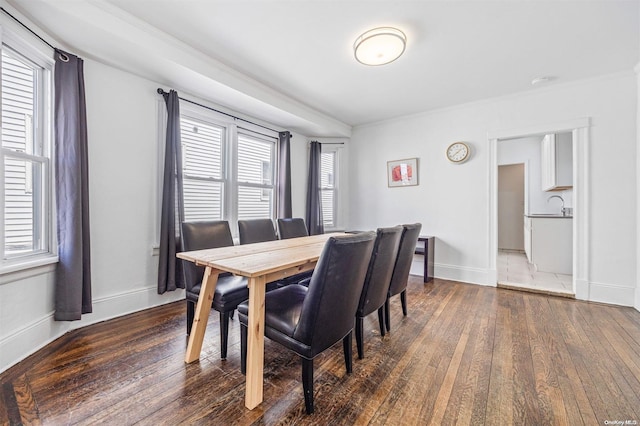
{"x": 580, "y": 130}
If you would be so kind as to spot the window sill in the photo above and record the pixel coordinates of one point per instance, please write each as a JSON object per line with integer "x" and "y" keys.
{"x": 27, "y": 268}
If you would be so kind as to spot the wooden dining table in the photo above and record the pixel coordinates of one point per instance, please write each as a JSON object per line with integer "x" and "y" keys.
{"x": 261, "y": 263}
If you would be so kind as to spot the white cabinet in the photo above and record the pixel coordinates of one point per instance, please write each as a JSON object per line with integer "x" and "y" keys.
{"x": 557, "y": 162}
{"x": 551, "y": 244}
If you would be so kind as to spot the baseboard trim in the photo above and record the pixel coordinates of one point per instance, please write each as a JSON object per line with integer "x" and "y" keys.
{"x": 464, "y": 274}
{"x": 611, "y": 294}
{"x": 40, "y": 332}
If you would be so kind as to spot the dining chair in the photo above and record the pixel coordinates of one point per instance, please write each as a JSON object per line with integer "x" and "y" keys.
{"x": 377, "y": 280}
{"x": 292, "y": 228}
{"x": 256, "y": 231}
{"x": 401, "y": 269}
{"x": 309, "y": 320}
{"x": 230, "y": 290}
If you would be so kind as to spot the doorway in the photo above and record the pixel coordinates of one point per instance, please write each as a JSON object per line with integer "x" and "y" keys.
{"x": 579, "y": 130}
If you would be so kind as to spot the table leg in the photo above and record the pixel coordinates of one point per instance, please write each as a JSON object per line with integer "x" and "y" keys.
{"x": 201, "y": 316}
{"x": 255, "y": 343}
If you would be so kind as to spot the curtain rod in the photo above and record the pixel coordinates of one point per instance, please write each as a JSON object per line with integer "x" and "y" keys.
{"x": 328, "y": 143}
{"x": 64, "y": 57}
{"x": 162, "y": 92}
{"x": 28, "y": 29}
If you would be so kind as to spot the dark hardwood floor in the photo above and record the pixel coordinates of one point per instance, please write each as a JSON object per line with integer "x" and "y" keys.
{"x": 466, "y": 354}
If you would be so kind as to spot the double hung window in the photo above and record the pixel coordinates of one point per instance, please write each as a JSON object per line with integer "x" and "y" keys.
{"x": 25, "y": 95}
{"x": 228, "y": 171}
{"x": 328, "y": 188}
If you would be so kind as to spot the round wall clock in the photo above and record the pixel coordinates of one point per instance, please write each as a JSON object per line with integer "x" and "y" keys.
{"x": 458, "y": 152}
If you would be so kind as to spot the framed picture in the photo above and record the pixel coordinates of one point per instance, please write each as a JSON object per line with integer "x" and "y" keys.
{"x": 402, "y": 172}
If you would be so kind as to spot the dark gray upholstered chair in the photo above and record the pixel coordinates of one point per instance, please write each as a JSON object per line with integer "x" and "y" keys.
{"x": 377, "y": 280}
{"x": 256, "y": 231}
{"x": 230, "y": 290}
{"x": 310, "y": 320}
{"x": 292, "y": 228}
{"x": 402, "y": 267}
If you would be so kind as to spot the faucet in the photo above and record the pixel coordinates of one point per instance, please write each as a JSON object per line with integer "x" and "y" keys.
{"x": 562, "y": 209}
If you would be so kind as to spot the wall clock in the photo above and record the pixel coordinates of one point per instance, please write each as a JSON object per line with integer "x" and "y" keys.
{"x": 458, "y": 152}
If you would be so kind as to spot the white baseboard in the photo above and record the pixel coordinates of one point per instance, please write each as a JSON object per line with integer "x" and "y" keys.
{"x": 465, "y": 274}
{"x": 37, "y": 334}
{"x": 595, "y": 292}
{"x": 611, "y": 294}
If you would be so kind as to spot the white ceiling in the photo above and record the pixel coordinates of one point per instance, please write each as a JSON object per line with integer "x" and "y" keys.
{"x": 291, "y": 62}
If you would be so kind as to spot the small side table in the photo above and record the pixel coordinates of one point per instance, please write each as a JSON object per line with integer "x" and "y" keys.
{"x": 427, "y": 250}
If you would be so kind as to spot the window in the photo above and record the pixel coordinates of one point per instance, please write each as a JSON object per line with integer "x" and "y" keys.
{"x": 25, "y": 170}
{"x": 328, "y": 164}
{"x": 228, "y": 172}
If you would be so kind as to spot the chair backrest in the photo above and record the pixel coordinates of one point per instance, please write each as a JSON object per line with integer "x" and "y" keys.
{"x": 402, "y": 267}
{"x": 329, "y": 308}
{"x": 256, "y": 231}
{"x": 292, "y": 228}
{"x": 200, "y": 236}
{"x": 378, "y": 278}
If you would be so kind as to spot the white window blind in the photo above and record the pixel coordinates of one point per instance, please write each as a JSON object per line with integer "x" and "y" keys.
{"x": 25, "y": 163}
{"x": 202, "y": 165}
{"x": 255, "y": 177}
{"x": 328, "y": 188}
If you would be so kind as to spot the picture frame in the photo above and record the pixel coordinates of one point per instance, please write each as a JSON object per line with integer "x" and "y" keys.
{"x": 402, "y": 172}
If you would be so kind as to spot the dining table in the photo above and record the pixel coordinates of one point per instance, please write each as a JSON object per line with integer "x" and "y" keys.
{"x": 261, "y": 263}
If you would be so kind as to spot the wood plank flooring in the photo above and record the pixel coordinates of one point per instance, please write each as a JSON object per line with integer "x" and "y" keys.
{"x": 465, "y": 355}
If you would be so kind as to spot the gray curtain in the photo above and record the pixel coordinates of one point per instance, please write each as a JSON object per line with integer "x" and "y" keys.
{"x": 73, "y": 272}
{"x": 169, "y": 267}
{"x": 284, "y": 176}
{"x": 314, "y": 199}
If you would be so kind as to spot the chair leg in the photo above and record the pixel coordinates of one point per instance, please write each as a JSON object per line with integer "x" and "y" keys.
{"x": 387, "y": 315}
{"x": 224, "y": 334}
{"x": 191, "y": 311}
{"x": 348, "y": 352}
{"x": 307, "y": 383}
{"x": 359, "y": 330}
{"x": 381, "y": 320}
{"x": 403, "y": 300}
{"x": 243, "y": 348}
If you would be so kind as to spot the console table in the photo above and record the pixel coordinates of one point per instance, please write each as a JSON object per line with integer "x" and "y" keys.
{"x": 427, "y": 250}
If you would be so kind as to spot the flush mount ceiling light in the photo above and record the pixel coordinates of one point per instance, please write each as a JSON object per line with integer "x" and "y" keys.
{"x": 380, "y": 46}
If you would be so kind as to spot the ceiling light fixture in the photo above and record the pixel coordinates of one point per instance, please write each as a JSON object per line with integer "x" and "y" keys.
{"x": 380, "y": 46}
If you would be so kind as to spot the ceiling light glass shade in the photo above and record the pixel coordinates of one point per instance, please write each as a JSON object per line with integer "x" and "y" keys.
{"x": 380, "y": 46}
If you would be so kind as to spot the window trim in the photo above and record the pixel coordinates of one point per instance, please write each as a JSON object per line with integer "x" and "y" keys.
{"x": 44, "y": 132}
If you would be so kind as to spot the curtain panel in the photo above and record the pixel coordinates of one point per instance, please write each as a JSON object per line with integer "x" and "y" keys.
{"x": 283, "y": 209}
{"x": 314, "y": 200}
{"x": 170, "y": 276}
{"x": 73, "y": 272}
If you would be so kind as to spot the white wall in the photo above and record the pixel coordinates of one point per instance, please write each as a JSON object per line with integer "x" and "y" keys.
{"x": 452, "y": 200}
